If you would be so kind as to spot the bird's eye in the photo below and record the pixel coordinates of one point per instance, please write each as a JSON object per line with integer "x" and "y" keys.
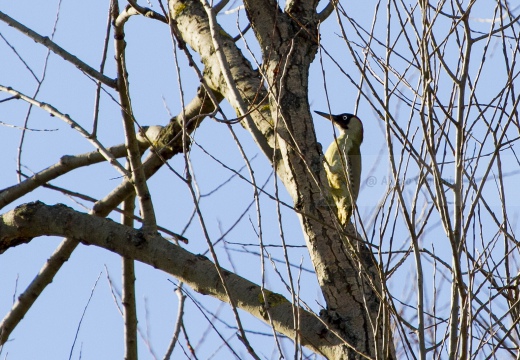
{"x": 345, "y": 117}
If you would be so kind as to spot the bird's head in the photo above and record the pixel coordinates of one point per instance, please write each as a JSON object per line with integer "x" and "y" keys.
{"x": 347, "y": 123}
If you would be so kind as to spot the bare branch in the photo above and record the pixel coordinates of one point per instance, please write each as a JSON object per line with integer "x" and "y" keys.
{"x": 54, "y": 112}
{"x": 170, "y": 143}
{"x": 45, "y": 41}
{"x": 66, "y": 164}
{"x": 35, "y": 288}
{"x": 132, "y": 145}
{"x": 128, "y": 295}
{"x": 218, "y": 7}
{"x": 178, "y": 323}
{"x": 36, "y": 219}
{"x": 327, "y": 10}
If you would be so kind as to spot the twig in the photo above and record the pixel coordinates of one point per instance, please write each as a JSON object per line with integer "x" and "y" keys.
{"x": 66, "y": 118}
{"x": 45, "y": 41}
{"x": 178, "y": 323}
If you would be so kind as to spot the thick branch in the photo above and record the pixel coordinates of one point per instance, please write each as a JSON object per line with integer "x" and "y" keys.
{"x": 28, "y": 221}
{"x": 263, "y": 16}
{"x": 193, "y": 24}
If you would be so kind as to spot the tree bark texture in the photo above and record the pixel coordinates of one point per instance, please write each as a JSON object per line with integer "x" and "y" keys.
{"x": 32, "y": 220}
{"x": 345, "y": 268}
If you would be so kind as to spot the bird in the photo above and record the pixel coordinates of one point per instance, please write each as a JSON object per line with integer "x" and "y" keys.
{"x": 343, "y": 163}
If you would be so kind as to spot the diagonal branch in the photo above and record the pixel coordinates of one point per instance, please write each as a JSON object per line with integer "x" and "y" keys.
{"x": 66, "y": 118}
{"x": 66, "y": 164}
{"x": 28, "y": 221}
{"x": 35, "y": 288}
{"x": 198, "y": 106}
{"x": 169, "y": 143}
{"x": 49, "y": 44}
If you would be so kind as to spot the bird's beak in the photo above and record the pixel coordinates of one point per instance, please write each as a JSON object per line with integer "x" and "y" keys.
{"x": 325, "y": 115}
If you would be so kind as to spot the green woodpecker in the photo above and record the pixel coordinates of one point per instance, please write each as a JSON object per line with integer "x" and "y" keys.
{"x": 343, "y": 163}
